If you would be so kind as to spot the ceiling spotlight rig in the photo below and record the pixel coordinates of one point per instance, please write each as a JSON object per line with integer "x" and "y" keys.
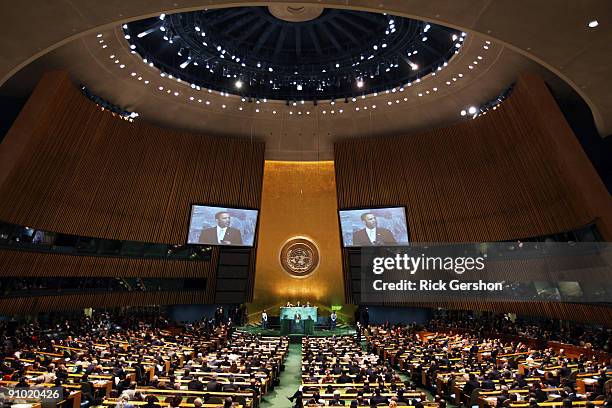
{"x": 107, "y": 106}
{"x": 493, "y": 104}
{"x": 248, "y": 52}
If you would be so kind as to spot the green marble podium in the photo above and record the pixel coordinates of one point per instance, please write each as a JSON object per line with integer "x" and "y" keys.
{"x": 289, "y": 323}
{"x": 304, "y": 312}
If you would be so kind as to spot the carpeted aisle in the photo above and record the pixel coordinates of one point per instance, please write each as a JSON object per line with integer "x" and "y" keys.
{"x": 290, "y": 380}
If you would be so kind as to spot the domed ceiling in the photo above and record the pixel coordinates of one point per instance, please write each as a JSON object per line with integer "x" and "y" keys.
{"x": 293, "y": 53}
{"x": 298, "y": 78}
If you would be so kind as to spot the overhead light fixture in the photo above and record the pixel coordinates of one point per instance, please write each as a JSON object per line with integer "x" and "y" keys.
{"x": 593, "y": 24}
{"x": 463, "y": 112}
{"x": 238, "y": 84}
{"x": 360, "y": 83}
{"x": 472, "y": 110}
{"x": 299, "y": 87}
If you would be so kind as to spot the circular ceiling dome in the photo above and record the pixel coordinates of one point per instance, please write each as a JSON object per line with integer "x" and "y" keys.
{"x": 295, "y": 14}
{"x": 329, "y": 53}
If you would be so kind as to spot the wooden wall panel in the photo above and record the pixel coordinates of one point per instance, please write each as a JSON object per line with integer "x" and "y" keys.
{"x": 85, "y": 172}
{"x": 501, "y": 176}
{"x": 588, "y": 313}
{"x": 32, "y": 264}
{"x": 516, "y": 172}
{"x": 79, "y": 170}
{"x": 31, "y": 305}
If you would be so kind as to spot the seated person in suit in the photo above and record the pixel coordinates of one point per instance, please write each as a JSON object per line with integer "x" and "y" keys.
{"x": 222, "y": 233}
{"x": 470, "y": 385}
{"x": 371, "y": 234}
{"x": 213, "y": 385}
{"x": 230, "y": 387}
{"x": 336, "y": 401}
{"x": 195, "y": 385}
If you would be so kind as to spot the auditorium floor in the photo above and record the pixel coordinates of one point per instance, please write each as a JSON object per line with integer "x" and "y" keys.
{"x": 290, "y": 380}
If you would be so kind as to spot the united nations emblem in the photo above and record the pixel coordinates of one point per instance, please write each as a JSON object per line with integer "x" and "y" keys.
{"x": 299, "y": 257}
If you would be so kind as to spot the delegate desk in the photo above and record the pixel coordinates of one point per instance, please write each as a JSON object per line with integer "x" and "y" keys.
{"x": 305, "y": 325}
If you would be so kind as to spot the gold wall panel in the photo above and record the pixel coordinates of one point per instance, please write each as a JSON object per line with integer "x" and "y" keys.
{"x": 298, "y": 200}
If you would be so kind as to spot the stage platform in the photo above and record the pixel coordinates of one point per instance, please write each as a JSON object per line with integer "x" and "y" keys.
{"x": 297, "y": 337}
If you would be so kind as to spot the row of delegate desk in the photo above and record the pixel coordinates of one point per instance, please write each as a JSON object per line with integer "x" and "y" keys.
{"x": 163, "y": 360}
{"x": 409, "y": 354}
{"x": 334, "y": 350}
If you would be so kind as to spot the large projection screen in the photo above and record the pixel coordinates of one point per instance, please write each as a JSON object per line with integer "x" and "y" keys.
{"x": 374, "y": 226}
{"x": 211, "y": 225}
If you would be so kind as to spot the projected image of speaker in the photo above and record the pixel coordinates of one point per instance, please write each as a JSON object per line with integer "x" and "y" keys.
{"x": 374, "y": 226}
{"x": 211, "y": 225}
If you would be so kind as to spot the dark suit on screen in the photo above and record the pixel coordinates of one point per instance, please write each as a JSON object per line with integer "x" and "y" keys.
{"x": 209, "y": 236}
{"x": 383, "y": 237}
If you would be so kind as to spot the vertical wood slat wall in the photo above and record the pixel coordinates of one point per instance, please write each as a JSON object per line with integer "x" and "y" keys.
{"x": 40, "y": 264}
{"x": 498, "y": 177}
{"x": 16, "y": 306}
{"x": 488, "y": 179}
{"x": 88, "y": 173}
{"x": 85, "y": 172}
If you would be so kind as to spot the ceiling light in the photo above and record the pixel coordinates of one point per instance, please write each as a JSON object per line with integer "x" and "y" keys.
{"x": 359, "y": 83}
{"x": 593, "y": 24}
{"x": 463, "y": 112}
{"x": 238, "y": 84}
{"x": 472, "y": 110}
{"x": 299, "y": 87}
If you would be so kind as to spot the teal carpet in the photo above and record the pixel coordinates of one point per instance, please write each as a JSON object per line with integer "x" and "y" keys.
{"x": 290, "y": 380}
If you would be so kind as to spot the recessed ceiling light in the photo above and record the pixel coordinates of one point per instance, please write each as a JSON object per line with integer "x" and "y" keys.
{"x": 593, "y": 24}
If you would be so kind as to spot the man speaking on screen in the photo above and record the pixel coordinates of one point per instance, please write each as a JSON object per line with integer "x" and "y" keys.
{"x": 221, "y": 234}
{"x": 371, "y": 234}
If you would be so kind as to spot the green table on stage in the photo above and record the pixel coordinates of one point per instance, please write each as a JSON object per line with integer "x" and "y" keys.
{"x": 305, "y": 312}
{"x": 305, "y": 325}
